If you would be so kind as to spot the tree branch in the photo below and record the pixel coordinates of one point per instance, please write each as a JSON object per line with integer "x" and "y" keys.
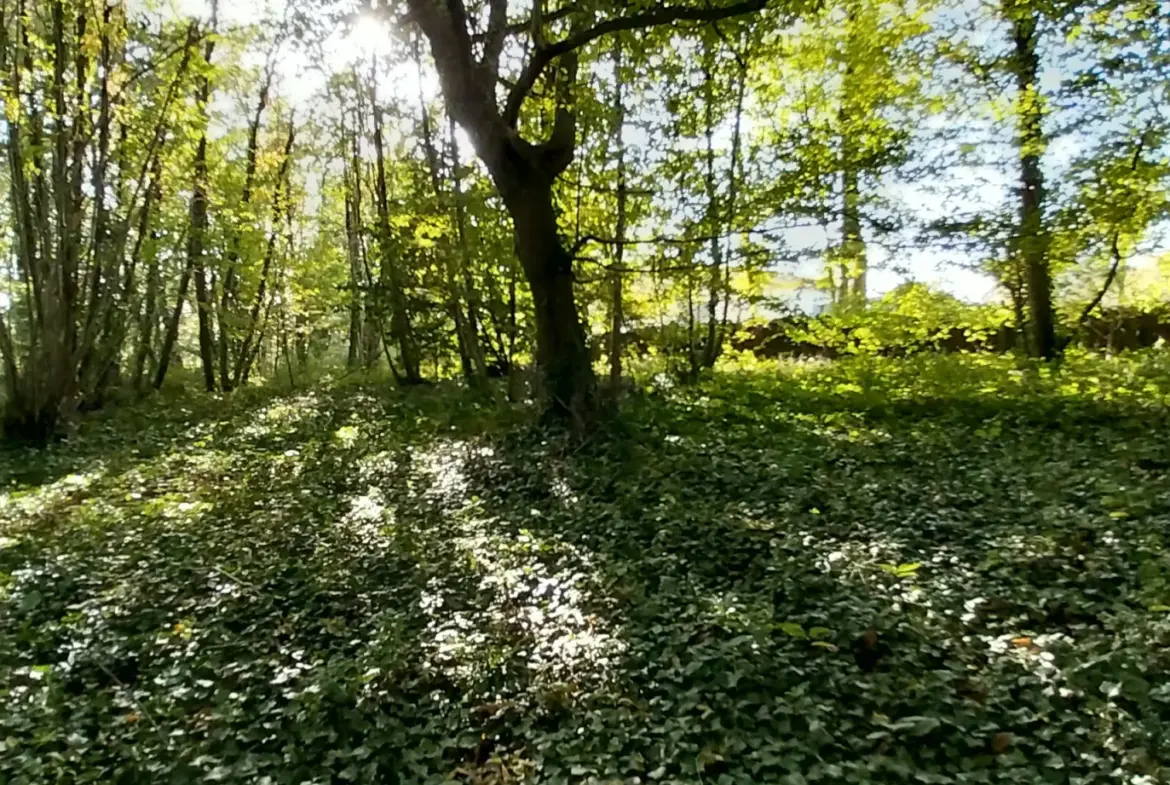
{"x": 655, "y": 18}
{"x": 585, "y": 239}
{"x": 1114, "y": 244}
{"x": 558, "y": 150}
{"x": 519, "y": 28}
{"x": 496, "y": 32}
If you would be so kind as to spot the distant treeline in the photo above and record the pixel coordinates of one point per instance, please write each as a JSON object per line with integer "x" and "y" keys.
{"x": 1117, "y": 329}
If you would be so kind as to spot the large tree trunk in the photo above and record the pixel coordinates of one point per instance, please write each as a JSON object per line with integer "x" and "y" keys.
{"x": 1032, "y": 238}
{"x": 561, "y": 351}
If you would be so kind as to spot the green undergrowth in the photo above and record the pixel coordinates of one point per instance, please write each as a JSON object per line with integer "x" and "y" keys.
{"x": 359, "y": 584}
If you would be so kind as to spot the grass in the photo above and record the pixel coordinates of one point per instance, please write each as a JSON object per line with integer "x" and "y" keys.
{"x": 355, "y": 584}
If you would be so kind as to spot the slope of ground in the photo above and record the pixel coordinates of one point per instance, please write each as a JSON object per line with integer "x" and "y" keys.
{"x": 361, "y": 585}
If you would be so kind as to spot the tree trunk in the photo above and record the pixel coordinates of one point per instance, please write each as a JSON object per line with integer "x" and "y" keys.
{"x": 230, "y": 282}
{"x": 146, "y": 324}
{"x": 353, "y": 253}
{"x": 470, "y": 293}
{"x": 197, "y": 227}
{"x": 373, "y": 336}
{"x": 195, "y": 238}
{"x": 172, "y": 333}
{"x": 1032, "y": 240}
{"x": 715, "y": 269}
{"x": 472, "y": 371}
{"x": 616, "y": 315}
{"x": 280, "y": 207}
{"x": 853, "y": 261}
{"x": 390, "y": 274}
{"x": 561, "y": 351}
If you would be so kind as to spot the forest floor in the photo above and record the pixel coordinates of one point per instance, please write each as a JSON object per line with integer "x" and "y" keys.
{"x": 355, "y": 584}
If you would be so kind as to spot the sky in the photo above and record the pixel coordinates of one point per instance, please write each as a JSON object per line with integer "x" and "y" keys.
{"x": 301, "y": 76}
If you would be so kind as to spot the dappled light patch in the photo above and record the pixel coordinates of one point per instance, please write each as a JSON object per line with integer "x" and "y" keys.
{"x": 25, "y": 505}
{"x": 282, "y": 415}
{"x": 535, "y": 599}
{"x": 444, "y": 466}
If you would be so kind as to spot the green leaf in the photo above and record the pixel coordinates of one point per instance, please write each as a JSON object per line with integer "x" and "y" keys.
{"x": 792, "y": 629}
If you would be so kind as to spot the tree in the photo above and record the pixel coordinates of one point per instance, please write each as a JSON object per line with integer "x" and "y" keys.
{"x": 90, "y": 107}
{"x": 524, "y": 172}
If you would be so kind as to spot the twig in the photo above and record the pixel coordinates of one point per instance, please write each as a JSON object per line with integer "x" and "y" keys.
{"x": 235, "y": 580}
{"x": 130, "y": 694}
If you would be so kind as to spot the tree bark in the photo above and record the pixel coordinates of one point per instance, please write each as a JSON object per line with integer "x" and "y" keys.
{"x": 147, "y": 323}
{"x": 1032, "y": 238}
{"x": 172, "y": 334}
{"x": 353, "y": 253}
{"x": 196, "y": 227}
{"x": 470, "y": 353}
{"x": 195, "y": 242}
{"x": 561, "y": 351}
{"x": 470, "y": 291}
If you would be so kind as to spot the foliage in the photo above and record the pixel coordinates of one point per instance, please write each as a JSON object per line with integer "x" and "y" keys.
{"x": 911, "y": 318}
{"x": 361, "y": 584}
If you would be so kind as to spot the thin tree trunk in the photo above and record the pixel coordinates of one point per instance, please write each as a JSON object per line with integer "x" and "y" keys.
{"x": 373, "y": 335}
{"x": 513, "y": 371}
{"x": 473, "y": 370}
{"x": 146, "y": 324}
{"x": 616, "y": 316}
{"x": 390, "y": 274}
{"x": 280, "y": 208}
{"x": 1032, "y": 239}
{"x": 230, "y": 282}
{"x": 470, "y": 292}
{"x": 853, "y": 261}
{"x": 196, "y": 233}
{"x": 715, "y": 270}
{"x": 196, "y": 227}
{"x": 733, "y": 180}
{"x": 195, "y": 248}
{"x": 353, "y": 253}
{"x": 692, "y": 352}
{"x": 172, "y": 333}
